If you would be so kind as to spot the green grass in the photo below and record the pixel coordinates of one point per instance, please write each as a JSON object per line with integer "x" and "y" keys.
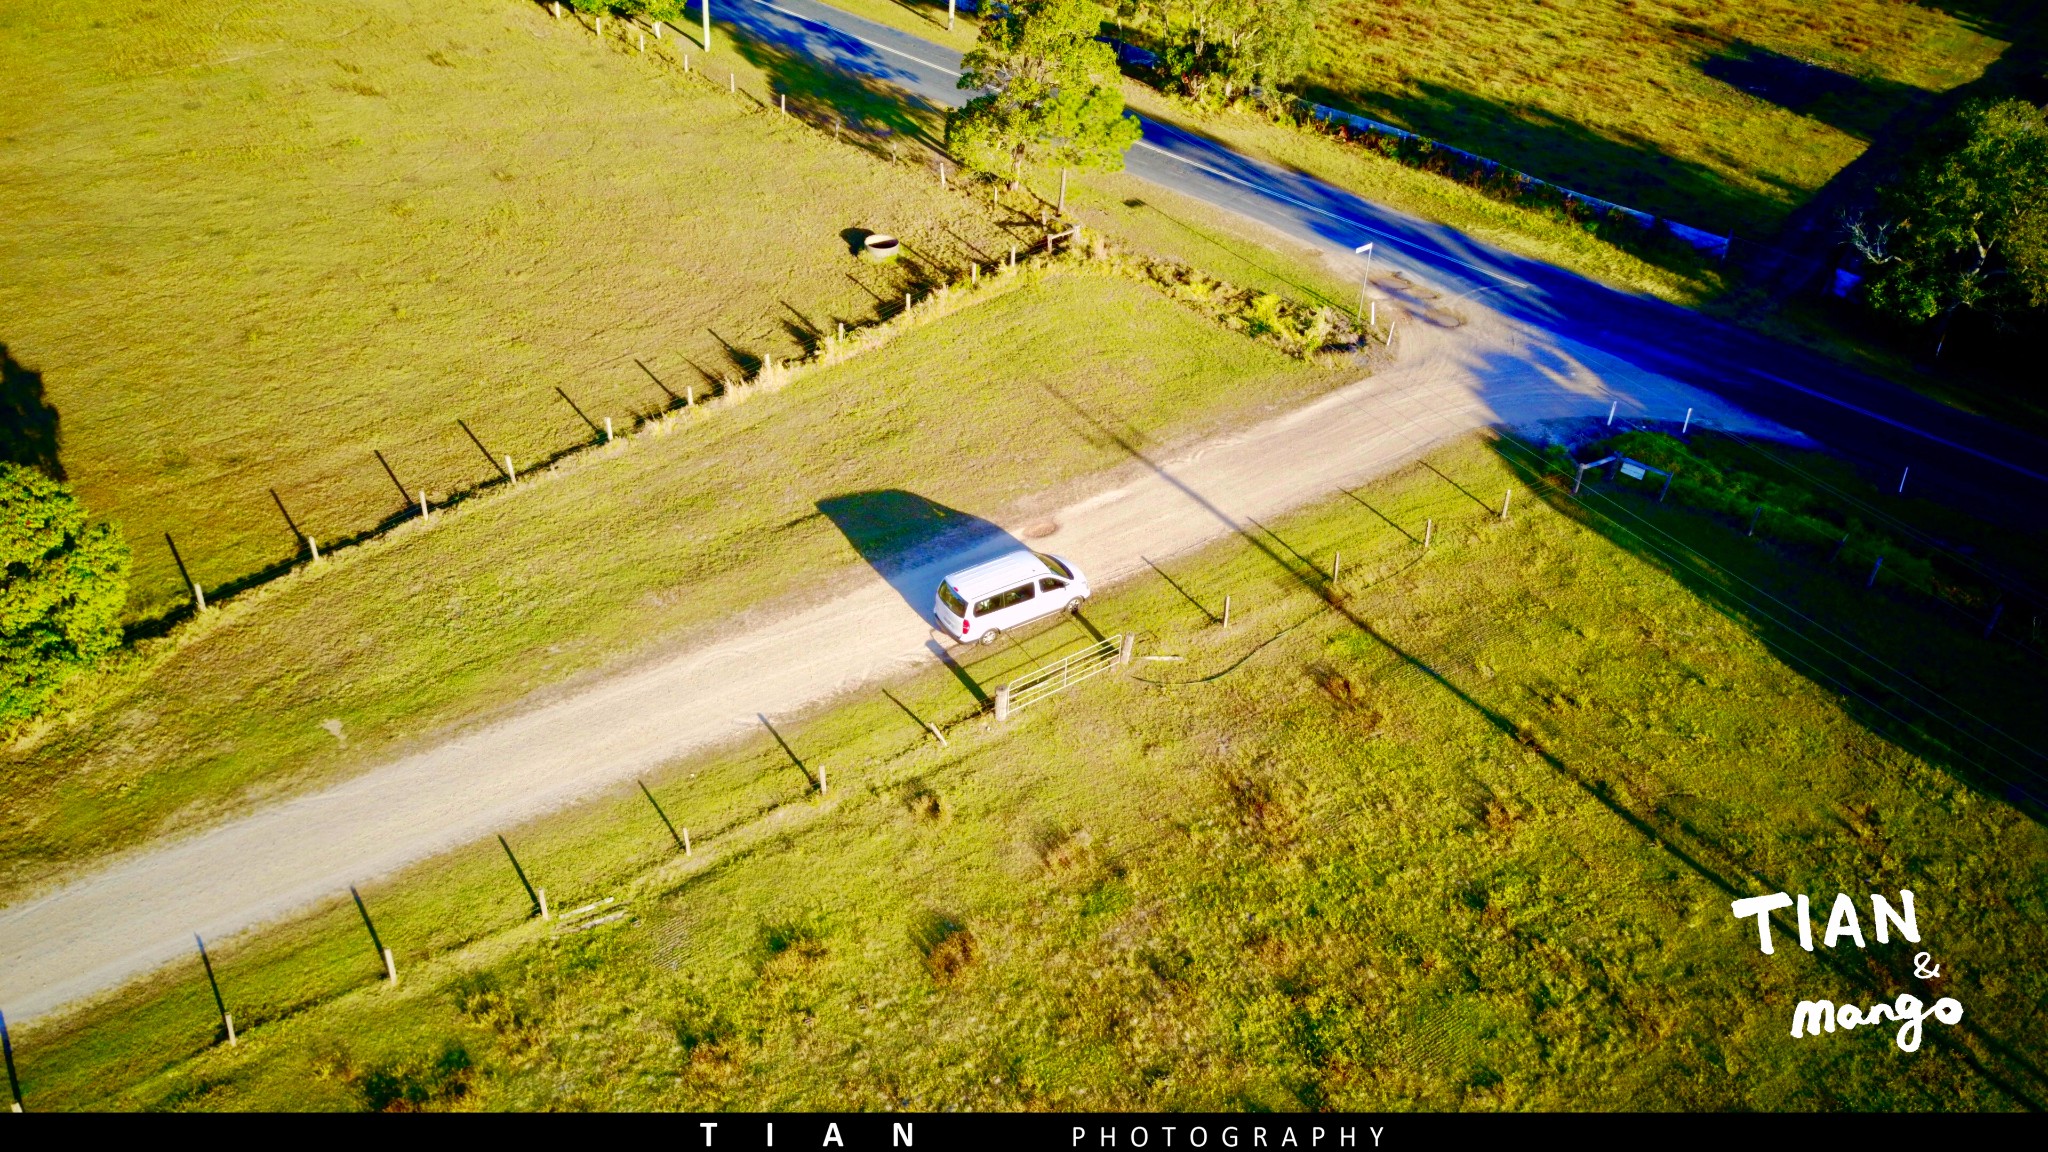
{"x": 248, "y": 246}
{"x": 637, "y": 548}
{"x": 1468, "y": 842}
{"x": 1722, "y": 116}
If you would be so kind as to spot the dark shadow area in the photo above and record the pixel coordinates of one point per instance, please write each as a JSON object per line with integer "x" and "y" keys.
{"x": 747, "y": 362}
{"x": 869, "y": 111}
{"x": 1786, "y": 81}
{"x": 912, "y": 542}
{"x": 790, "y": 752}
{"x": 1367, "y": 505}
{"x": 665, "y": 821}
{"x": 1211, "y": 617}
{"x": 28, "y": 421}
{"x": 1627, "y": 170}
{"x": 967, "y": 681}
{"x": 1901, "y": 668}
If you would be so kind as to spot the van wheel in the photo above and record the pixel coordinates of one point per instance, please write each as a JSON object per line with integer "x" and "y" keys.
{"x": 989, "y": 637}
{"x": 1075, "y": 605}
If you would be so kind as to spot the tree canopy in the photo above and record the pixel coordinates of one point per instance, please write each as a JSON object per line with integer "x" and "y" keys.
{"x": 1967, "y": 225}
{"x": 1050, "y": 92}
{"x": 63, "y": 583}
{"x": 1239, "y": 43}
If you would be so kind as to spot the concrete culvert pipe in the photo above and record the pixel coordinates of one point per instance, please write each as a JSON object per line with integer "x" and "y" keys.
{"x": 879, "y": 248}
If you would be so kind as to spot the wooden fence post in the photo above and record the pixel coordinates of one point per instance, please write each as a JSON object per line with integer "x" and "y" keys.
{"x": 1226, "y": 611}
{"x": 1003, "y": 702}
{"x": 1428, "y": 531}
{"x": 1872, "y": 582}
{"x": 1505, "y": 497}
{"x": 1124, "y": 650}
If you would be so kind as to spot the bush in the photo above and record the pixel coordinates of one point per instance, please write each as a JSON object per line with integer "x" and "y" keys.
{"x": 63, "y": 583}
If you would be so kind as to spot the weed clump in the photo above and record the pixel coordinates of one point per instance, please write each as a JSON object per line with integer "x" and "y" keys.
{"x": 948, "y": 946}
{"x": 403, "y": 1085}
{"x": 1064, "y": 850}
{"x": 922, "y": 802}
{"x": 793, "y": 944}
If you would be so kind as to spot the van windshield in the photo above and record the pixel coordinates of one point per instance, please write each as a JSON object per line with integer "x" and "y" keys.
{"x": 952, "y": 601}
{"x": 1053, "y": 563}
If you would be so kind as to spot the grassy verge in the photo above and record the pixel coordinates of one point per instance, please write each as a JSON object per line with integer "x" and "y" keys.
{"x": 646, "y": 545}
{"x": 1725, "y": 117}
{"x": 1465, "y": 838}
{"x": 248, "y": 247}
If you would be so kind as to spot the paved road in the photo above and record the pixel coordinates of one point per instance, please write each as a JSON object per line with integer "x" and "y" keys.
{"x": 1980, "y": 463}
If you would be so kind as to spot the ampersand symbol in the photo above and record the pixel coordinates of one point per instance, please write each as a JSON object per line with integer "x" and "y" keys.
{"x": 1923, "y": 969}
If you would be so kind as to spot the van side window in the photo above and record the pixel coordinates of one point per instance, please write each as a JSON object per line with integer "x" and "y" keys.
{"x": 1051, "y": 585}
{"x": 1002, "y": 600}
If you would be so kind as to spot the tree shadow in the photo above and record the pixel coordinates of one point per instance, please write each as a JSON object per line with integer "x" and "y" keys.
{"x": 29, "y": 431}
{"x": 1903, "y": 669}
{"x": 912, "y": 542}
{"x": 1623, "y": 168}
{"x": 870, "y": 107}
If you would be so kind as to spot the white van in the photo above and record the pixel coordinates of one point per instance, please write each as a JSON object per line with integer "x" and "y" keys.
{"x": 978, "y": 603}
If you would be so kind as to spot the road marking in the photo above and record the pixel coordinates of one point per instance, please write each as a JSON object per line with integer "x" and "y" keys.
{"x": 1900, "y": 425}
{"x": 1278, "y": 195}
{"x": 863, "y": 40}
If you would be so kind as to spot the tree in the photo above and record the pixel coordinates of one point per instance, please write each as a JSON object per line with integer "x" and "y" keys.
{"x": 63, "y": 583}
{"x": 1243, "y": 43}
{"x": 1051, "y": 94}
{"x": 1971, "y": 222}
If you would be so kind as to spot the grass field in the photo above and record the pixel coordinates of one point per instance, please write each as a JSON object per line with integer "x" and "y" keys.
{"x": 1723, "y": 116}
{"x": 1467, "y": 841}
{"x": 652, "y": 544}
{"x": 249, "y": 246}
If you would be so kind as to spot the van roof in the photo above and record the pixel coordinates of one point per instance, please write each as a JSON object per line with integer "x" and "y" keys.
{"x": 1003, "y": 572}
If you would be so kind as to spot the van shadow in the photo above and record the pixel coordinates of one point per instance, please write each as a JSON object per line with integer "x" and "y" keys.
{"x": 912, "y": 542}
